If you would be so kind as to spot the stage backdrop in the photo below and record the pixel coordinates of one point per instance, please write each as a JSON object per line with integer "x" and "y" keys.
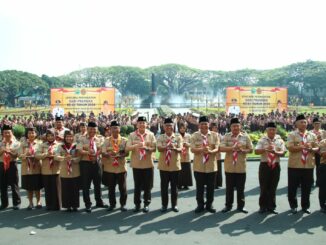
{"x": 78, "y": 100}
{"x": 256, "y": 99}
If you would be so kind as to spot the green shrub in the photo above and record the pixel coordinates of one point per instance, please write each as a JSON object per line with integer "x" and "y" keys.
{"x": 18, "y": 131}
{"x": 282, "y": 132}
{"x": 130, "y": 129}
{"x": 123, "y": 130}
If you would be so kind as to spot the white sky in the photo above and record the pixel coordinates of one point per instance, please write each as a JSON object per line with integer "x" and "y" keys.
{"x": 59, "y": 36}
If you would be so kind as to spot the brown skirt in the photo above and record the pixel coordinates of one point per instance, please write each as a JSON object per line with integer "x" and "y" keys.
{"x": 32, "y": 182}
{"x": 185, "y": 175}
{"x": 70, "y": 192}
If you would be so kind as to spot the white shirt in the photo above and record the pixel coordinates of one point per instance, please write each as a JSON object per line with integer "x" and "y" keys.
{"x": 234, "y": 110}
{"x": 58, "y": 111}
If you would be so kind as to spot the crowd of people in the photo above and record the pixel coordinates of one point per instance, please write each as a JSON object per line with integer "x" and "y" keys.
{"x": 71, "y": 153}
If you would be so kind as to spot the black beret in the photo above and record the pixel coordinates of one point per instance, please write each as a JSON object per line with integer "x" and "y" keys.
{"x": 59, "y": 118}
{"x": 92, "y": 125}
{"x": 6, "y": 127}
{"x": 114, "y": 123}
{"x": 316, "y": 120}
{"x": 235, "y": 120}
{"x": 141, "y": 119}
{"x": 300, "y": 117}
{"x": 203, "y": 119}
{"x": 271, "y": 125}
{"x": 168, "y": 120}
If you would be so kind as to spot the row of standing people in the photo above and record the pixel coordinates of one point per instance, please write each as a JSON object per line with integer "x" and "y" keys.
{"x": 63, "y": 168}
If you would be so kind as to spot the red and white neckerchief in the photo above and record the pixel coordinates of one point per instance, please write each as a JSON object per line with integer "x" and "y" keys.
{"x": 31, "y": 151}
{"x": 6, "y": 156}
{"x": 50, "y": 151}
{"x": 142, "y": 152}
{"x": 235, "y": 154}
{"x": 271, "y": 157}
{"x": 168, "y": 151}
{"x": 68, "y": 150}
{"x": 205, "y": 144}
{"x": 116, "y": 146}
{"x": 304, "y": 154}
{"x": 92, "y": 146}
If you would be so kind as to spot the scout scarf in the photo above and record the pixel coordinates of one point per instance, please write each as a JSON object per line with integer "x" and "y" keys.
{"x": 50, "y": 150}
{"x": 6, "y": 156}
{"x": 271, "y": 157}
{"x": 168, "y": 151}
{"x": 205, "y": 144}
{"x": 31, "y": 151}
{"x": 304, "y": 154}
{"x": 68, "y": 150}
{"x": 116, "y": 147}
{"x": 142, "y": 152}
{"x": 92, "y": 146}
{"x": 235, "y": 153}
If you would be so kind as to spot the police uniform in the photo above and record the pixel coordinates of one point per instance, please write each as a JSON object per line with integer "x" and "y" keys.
{"x": 9, "y": 171}
{"x": 269, "y": 170}
{"x": 169, "y": 166}
{"x": 114, "y": 168}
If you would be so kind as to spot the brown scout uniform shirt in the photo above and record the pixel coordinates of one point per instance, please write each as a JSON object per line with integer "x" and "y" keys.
{"x": 174, "y": 164}
{"x": 108, "y": 161}
{"x": 59, "y": 156}
{"x": 35, "y": 163}
{"x": 150, "y": 141}
{"x": 186, "y": 157}
{"x": 322, "y": 146}
{"x": 240, "y": 165}
{"x": 294, "y": 139}
{"x": 41, "y": 154}
{"x": 213, "y": 143}
{"x": 14, "y": 146}
{"x": 84, "y": 144}
{"x": 264, "y": 142}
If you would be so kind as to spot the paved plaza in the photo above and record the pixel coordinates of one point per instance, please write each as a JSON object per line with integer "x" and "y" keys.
{"x": 185, "y": 227}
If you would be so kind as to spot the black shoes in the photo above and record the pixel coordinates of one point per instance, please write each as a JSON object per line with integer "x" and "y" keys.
{"x": 242, "y": 210}
{"x": 175, "y": 209}
{"x": 164, "y": 209}
{"x": 273, "y": 211}
{"x": 3, "y": 207}
{"x": 101, "y": 205}
{"x": 306, "y": 211}
{"x": 16, "y": 207}
{"x": 199, "y": 209}
{"x": 88, "y": 209}
{"x": 211, "y": 209}
{"x": 262, "y": 210}
{"x": 136, "y": 209}
{"x": 146, "y": 209}
{"x": 123, "y": 209}
{"x": 294, "y": 210}
{"x": 111, "y": 208}
{"x": 226, "y": 209}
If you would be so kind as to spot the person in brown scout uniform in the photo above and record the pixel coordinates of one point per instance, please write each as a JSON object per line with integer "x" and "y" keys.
{"x": 271, "y": 147}
{"x": 8, "y": 168}
{"x": 185, "y": 175}
{"x": 302, "y": 146}
{"x": 169, "y": 145}
{"x": 142, "y": 144}
{"x": 114, "y": 166}
{"x": 66, "y": 154}
{"x": 322, "y": 176}
{"x": 204, "y": 145}
{"x": 50, "y": 171}
{"x": 90, "y": 166}
{"x": 321, "y": 134}
{"x": 31, "y": 168}
{"x": 236, "y": 145}
{"x": 219, "y": 178}
{"x": 82, "y": 132}
{"x": 59, "y": 129}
